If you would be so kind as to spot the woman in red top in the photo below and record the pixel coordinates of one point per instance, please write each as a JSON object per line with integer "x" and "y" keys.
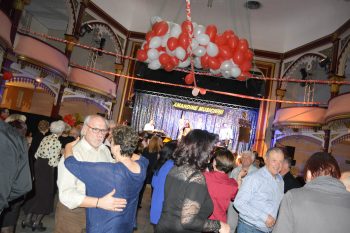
{"x": 222, "y": 189}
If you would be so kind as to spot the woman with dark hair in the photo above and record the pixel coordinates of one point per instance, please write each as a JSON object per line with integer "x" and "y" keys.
{"x": 126, "y": 176}
{"x": 187, "y": 203}
{"x": 161, "y": 170}
{"x": 151, "y": 152}
{"x": 322, "y": 205}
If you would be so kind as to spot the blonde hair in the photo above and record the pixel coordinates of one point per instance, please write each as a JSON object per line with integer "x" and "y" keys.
{"x": 155, "y": 144}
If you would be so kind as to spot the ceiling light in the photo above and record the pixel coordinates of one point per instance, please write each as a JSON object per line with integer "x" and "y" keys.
{"x": 252, "y": 5}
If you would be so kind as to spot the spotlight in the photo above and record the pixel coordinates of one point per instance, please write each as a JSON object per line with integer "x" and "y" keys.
{"x": 86, "y": 28}
{"x": 102, "y": 45}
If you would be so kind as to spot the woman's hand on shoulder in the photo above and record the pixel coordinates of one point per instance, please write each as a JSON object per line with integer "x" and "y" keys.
{"x": 225, "y": 228}
{"x": 68, "y": 149}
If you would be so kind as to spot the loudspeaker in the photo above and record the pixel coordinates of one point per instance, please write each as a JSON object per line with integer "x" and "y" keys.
{"x": 244, "y": 134}
{"x": 289, "y": 151}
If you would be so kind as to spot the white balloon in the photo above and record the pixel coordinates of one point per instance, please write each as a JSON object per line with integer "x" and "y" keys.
{"x": 154, "y": 65}
{"x": 185, "y": 63}
{"x": 203, "y": 39}
{"x": 226, "y": 74}
{"x": 199, "y": 51}
{"x": 180, "y": 53}
{"x": 212, "y": 49}
{"x": 155, "y": 19}
{"x": 200, "y": 29}
{"x": 215, "y": 71}
{"x": 168, "y": 51}
{"x": 235, "y": 72}
{"x": 226, "y": 65}
{"x": 153, "y": 54}
{"x": 165, "y": 40}
{"x": 155, "y": 42}
{"x": 194, "y": 44}
{"x": 175, "y": 30}
{"x": 195, "y": 91}
{"x": 197, "y": 63}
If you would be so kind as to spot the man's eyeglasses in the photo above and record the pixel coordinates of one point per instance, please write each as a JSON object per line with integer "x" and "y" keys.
{"x": 97, "y": 130}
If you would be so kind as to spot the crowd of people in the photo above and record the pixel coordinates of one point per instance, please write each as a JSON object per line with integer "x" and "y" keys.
{"x": 100, "y": 172}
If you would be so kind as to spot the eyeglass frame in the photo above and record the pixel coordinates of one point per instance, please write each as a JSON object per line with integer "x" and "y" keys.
{"x": 97, "y": 130}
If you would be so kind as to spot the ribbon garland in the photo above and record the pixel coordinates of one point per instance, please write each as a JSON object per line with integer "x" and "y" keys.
{"x": 190, "y": 34}
{"x": 191, "y": 87}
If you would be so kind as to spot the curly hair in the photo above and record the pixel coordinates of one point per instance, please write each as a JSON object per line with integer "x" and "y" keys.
{"x": 322, "y": 164}
{"x": 194, "y": 149}
{"x": 43, "y": 125}
{"x": 126, "y": 138}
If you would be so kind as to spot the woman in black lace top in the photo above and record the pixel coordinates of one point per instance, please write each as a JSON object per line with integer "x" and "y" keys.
{"x": 187, "y": 204}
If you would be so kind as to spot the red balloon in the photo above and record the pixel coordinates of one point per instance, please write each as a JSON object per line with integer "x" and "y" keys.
{"x": 243, "y": 45}
{"x": 205, "y": 61}
{"x": 202, "y": 91}
{"x": 238, "y": 57}
{"x": 169, "y": 67}
{"x": 174, "y": 61}
{"x": 187, "y": 26}
{"x": 246, "y": 66}
{"x": 7, "y": 75}
{"x": 189, "y": 79}
{"x": 219, "y": 40}
{"x": 211, "y": 31}
{"x": 228, "y": 34}
{"x": 146, "y": 47}
{"x": 241, "y": 78}
{"x": 160, "y": 28}
{"x": 172, "y": 43}
{"x": 214, "y": 63}
{"x": 225, "y": 52}
{"x": 164, "y": 59}
{"x": 249, "y": 55}
{"x": 184, "y": 40}
{"x": 232, "y": 42}
{"x": 149, "y": 35}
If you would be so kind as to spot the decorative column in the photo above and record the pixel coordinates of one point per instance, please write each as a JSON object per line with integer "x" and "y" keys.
{"x": 335, "y": 87}
{"x": 69, "y": 46}
{"x": 18, "y": 6}
{"x": 57, "y": 106}
{"x": 279, "y": 95}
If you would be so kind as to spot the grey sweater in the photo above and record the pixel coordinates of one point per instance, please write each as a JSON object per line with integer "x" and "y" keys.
{"x": 321, "y": 206}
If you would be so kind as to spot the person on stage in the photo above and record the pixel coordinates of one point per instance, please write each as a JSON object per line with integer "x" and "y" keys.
{"x": 184, "y": 129}
{"x": 149, "y": 126}
{"x": 225, "y": 135}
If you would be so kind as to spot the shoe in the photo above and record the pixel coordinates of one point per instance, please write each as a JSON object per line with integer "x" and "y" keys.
{"x": 39, "y": 227}
{"x": 25, "y": 224}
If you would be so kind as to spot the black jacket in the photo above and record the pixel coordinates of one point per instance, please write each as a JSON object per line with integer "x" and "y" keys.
{"x": 15, "y": 178}
{"x": 290, "y": 182}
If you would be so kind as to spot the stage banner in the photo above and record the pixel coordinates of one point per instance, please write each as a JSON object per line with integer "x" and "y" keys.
{"x": 169, "y": 111}
{"x": 198, "y": 108}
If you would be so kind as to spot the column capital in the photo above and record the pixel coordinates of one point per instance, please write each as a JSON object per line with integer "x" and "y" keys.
{"x": 20, "y": 4}
{"x": 280, "y": 92}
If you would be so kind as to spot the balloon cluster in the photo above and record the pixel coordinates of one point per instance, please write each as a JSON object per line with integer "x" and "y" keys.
{"x": 168, "y": 44}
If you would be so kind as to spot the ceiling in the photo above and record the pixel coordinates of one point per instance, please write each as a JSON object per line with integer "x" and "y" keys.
{"x": 279, "y": 25}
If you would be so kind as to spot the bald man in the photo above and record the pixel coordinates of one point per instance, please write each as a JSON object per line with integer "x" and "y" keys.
{"x": 345, "y": 178}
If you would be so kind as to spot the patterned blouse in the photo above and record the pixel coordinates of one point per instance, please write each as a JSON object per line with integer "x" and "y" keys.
{"x": 50, "y": 148}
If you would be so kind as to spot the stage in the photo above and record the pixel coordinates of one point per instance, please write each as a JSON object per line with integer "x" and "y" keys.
{"x": 168, "y": 110}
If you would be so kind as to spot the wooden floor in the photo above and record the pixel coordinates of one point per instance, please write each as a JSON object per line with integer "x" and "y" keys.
{"x": 143, "y": 225}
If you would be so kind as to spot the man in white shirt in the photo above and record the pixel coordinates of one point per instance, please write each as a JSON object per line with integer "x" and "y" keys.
{"x": 149, "y": 126}
{"x": 225, "y": 134}
{"x": 69, "y": 217}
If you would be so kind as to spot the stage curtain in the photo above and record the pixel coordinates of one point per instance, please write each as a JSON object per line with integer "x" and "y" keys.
{"x": 160, "y": 108}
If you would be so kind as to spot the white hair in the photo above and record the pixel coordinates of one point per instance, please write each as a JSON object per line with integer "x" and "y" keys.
{"x": 249, "y": 153}
{"x": 57, "y": 127}
{"x": 90, "y": 117}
